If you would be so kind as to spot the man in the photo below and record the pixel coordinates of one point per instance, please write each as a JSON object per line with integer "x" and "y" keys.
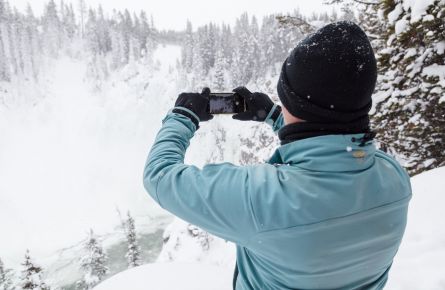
{"x": 328, "y": 210}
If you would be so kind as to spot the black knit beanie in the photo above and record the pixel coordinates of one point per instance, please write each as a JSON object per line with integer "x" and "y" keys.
{"x": 330, "y": 76}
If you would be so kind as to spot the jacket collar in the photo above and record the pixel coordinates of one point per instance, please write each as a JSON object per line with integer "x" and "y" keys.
{"x": 302, "y": 130}
{"x": 333, "y": 153}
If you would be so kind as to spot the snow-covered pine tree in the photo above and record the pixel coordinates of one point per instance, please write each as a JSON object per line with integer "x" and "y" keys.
{"x": 410, "y": 121}
{"x": 242, "y": 68}
{"x": 91, "y": 35}
{"x": 199, "y": 72}
{"x": 116, "y": 48}
{"x": 92, "y": 263}
{"x": 82, "y": 7}
{"x": 212, "y": 35}
{"x": 373, "y": 24}
{"x": 226, "y": 43}
{"x": 16, "y": 45}
{"x": 5, "y": 277}
{"x": 347, "y": 10}
{"x": 51, "y": 30}
{"x": 218, "y": 78}
{"x": 31, "y": 277}
{"x": 31, "y": 44}
{"x": 103, "y": 33}
{"x": 5, "y": 48}
{"x": 187, "y": 48}
{"x": 133, "y": 254}
{"x": 144, "y": 30}
{"x": 68, "y": 20}
{"x": 268, "y": 38}
{"x": 126, "y": 27}
{"x": 204, "y": 50}
{"x": 255, "y": 59}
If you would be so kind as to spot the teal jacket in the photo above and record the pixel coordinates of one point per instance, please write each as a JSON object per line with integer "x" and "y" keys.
{"x": 323, "y": 213}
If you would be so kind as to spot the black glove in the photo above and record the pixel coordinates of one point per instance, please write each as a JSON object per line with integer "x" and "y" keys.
{"x": 258, "y": 106}
{"x": 195, "y": 102}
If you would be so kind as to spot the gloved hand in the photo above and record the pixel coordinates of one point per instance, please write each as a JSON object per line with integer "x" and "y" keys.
{"x": 258, "y": 106}
{"x": 195, "y": 102}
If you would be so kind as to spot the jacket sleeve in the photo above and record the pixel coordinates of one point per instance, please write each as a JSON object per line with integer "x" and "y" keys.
{"x": 215, "y": 198}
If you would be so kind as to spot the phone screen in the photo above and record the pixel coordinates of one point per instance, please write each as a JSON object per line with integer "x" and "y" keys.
{"x": 226, "y": 103}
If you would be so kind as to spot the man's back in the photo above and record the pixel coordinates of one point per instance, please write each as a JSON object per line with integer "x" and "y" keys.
{"x": 332, "y": 215}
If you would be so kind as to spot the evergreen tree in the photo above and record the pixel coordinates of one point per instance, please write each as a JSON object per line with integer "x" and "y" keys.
{"x": 91, "y": 33}
{"x": 268, "y": 39}
{"x": 218, "y": 74}
{"x": 5, "y": 278}
{"x": 242, "y": 68}
{"x": 226, "y": 43}
{"x": 31, "y": 44}
{"x": 83, "y": 14}
{"x": 347, "y": 12}
{"x": 134, "y": 252}
{"x": 51, "y": 29}
{"x": 16, "y": 27}
{"x": 144, "y": 30}
{"x": 103, "y": 33}
{"x": 32, "y": 275}
{"x": 255, "y": 50}
{"x": 187, "y": 49}
{"x": 92, "y": 263}
{"x": 410, "y": 119}
{"x": 5, "y": 42}
{"x": 373, "y": 25}
{"x": 70, "y": 22}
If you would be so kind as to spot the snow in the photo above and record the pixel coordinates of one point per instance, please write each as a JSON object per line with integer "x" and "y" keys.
{"x": 435, "y": 70}
{"x": 410, "y": 52}
{"x": 427, "y": 18}
{"x": 440, "y": 47}
{"x": 185, "y": 245}
{"x": 428, "y": 162}
{"x": 169, "y": 276}
{"x": 418, "y": 8}
{"x": 395, "y": 14}
{"x": 401, "y": 26}
{"x": 419, "y": 263}
{"x": 415, "y": 119}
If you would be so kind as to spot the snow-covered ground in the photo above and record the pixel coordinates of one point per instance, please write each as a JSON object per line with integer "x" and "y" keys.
{"x": 171, "y": 276}
{"x": 419, "y": 264}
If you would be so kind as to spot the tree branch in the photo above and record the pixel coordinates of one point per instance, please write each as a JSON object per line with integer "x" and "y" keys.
{"x": 329, "y": 2}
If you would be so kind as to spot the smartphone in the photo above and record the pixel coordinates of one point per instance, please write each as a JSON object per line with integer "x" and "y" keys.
{"x": 226, "y": 103}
